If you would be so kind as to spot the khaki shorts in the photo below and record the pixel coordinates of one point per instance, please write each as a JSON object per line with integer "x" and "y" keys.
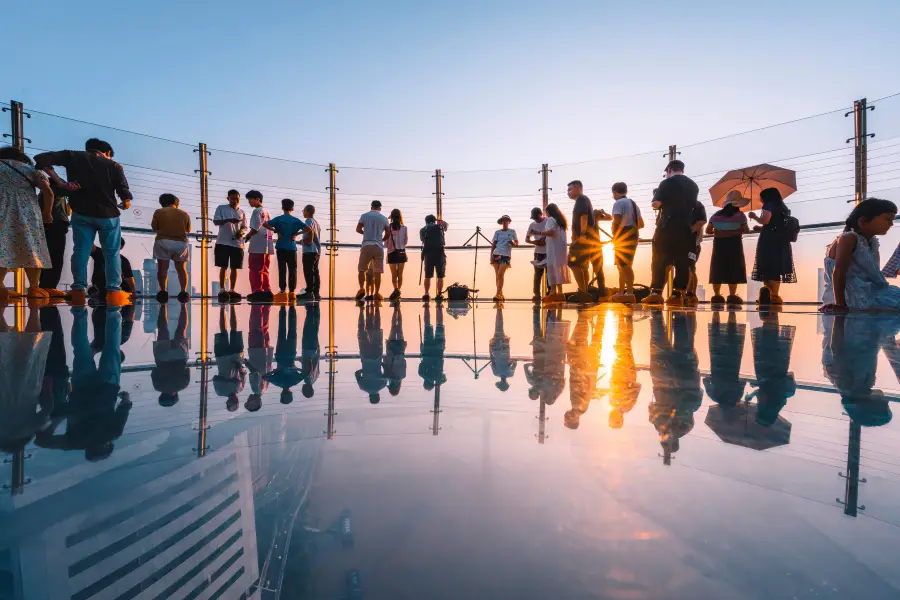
{"x": 373, "y": 255}
{"x": 170, "y": 250}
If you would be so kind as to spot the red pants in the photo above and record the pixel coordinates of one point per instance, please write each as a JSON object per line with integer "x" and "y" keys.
{"x": 259, "y": 273}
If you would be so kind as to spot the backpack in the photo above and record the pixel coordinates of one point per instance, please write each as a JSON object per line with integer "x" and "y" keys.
{"x": 458, "y": 293}
{"x": 791, "y": 228}
{"x": 433, "y": 238}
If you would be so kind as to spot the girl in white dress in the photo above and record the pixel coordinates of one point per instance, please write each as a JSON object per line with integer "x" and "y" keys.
{"x": 557, "y": 240}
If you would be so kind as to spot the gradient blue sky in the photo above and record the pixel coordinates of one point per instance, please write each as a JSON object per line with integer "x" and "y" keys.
{"x": 447, "y": 84}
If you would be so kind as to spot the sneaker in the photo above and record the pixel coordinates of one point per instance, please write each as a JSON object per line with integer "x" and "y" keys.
{"x": 439, "y": 298}
{"x": 395, "y": 295}
{"x": 183, "y": 297}
{"x": 234, "y": 296}
{"x": 281, "y": 298}
{"x": 718, "y": 300}
{"x": 654, "y": 299}
{"x": 118, "y": 298}
{"x": 624, "y": 298}
{"x": 733, "y": 299}
{"x": 426, "y": 298}
{"x": 292, "y": 296}
{"x": 691, "y": 300}
{"x": 359, "y": 295}
{"x": 378, "y": 298}
{"x": 369, "y": 298}
{"x": 765, "y": 296}
{"x": 55, "y": 293}
{"x": 162, "y": 296}
{"x": 224, "y": 296}
{"x": 581, "y": 298}
{"x": 553, "y": 299}
{"x": 676, "y": 300}
{"x": 36, "y": 292}
{"x": 498, "y": 298}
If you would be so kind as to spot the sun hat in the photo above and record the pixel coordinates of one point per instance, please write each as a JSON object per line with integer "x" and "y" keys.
{"x": 503, "y": 218}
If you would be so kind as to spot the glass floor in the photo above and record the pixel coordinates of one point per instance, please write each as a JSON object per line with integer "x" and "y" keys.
{"x": 455, "y": 452}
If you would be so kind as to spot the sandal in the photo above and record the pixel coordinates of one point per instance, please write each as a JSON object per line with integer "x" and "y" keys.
{"x": 36, "y": 292}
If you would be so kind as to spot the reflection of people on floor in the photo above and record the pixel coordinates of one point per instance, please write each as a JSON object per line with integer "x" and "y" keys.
{"x": 98, "y": 318}
{"x": 726, "y": 348}
{"x": 370, "y": 336}
{"x": 26, "y": 398}
{"x": 57, "y": 371}
{"x": 171, "y": 373}
{"x": 259, "y": 355}
{"x": 395, "y": 353}
{"x": 228, "y": 347}
{"x": 535, "y": 373}
{"x": 624, "y": 388}
{"x": 556, "y": 335}
{"x": 98, "y": 410}
{"x": 311, "y": 351}
{"x": 286, "y": 374}
{"x": 434, "y": 344}
{"x": 772, "y": 344}
{"x": 850, "y": 357}
{"x": 675, "y": 376}
{"x": 502, "y": 363}
{"x": 583, "y": 355}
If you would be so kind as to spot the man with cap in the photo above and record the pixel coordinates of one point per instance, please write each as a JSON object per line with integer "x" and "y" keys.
{"x": 434, "y": 258}
{"x": 534, "y": 236}
{"x": 501, "y": 252}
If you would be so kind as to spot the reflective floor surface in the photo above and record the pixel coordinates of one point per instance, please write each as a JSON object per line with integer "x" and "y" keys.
{"x": 454, "y": 452}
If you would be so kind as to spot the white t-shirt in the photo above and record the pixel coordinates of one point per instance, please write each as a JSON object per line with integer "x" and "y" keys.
{"x": 504, "y": 240}
{"x": 228, "y": 232}
{"x": 627, "y": 208}
{"x": 262, "y": 242}
{"x": 398, "y": 239}
{"x": 534, "y": 231}
{"x": 373, "y": 223}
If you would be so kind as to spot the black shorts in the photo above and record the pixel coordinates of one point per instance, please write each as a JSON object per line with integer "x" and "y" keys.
{"x": 435, "y": 262}
{"x": 226, "y": 256}
{"x": 397, "y": 257}
{"x": 626, "y": 246}
{"x": 694, "y": 255}
{"x": 225, "y": 344}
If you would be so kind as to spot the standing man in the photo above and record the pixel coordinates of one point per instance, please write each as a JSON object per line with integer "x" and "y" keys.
{"x": 533, "y": 236}
{"x": 95, "y": 212}
{"x": 229, "y": 248}
{"x": 673, "y": 239}
{"x": 585, "y": 249}
{"x": 171, "y": 225}
{"x": 312, "y": 251}
{"x": 698, "y": 222}
{"x": 261, "y": 247}
{"x": 433, "y": 255}
{"x": 375, "y": 228}
{"x": 626, "y": 225}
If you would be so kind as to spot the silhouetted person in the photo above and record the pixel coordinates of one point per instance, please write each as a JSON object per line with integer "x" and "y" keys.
{"x": 434, "y": 344}
{"x": 228, "y": 347}
{"x": 772, "y": 345}
{"x": 583, "y": 355}
{"x": 676, "y": 379}
{"x": 535, "y": 370}
{"x": 310, "y": 349}
{"x": 502, "y": 363}
{"x": 395, "y": 355}
{"x": 259, "y": 355}
{"x": 726, "y": 348}
{"x": 286, "y": 374}
{"x": 171, "y": 374}
{"x": 56, "y": 374}
{"x": 98, "y": 410}
{"x": 370, "y": 377}
{"x": 624, "y": 387}
{"x": 556, "y": 335}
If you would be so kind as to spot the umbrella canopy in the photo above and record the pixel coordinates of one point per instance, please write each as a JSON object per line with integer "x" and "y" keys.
{"x": 738, "y": 425}
{"x": 750, "y": 181}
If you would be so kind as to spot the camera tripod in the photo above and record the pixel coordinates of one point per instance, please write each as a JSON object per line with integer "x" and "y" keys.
{"x": 477, "y": 236}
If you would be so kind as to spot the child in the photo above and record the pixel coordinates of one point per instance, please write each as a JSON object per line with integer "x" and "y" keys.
{"x": 852, "y": 276}
{"x": 287, "y": 226}
{"x": 501, "y": 252}
{"x": 312, "y": 251}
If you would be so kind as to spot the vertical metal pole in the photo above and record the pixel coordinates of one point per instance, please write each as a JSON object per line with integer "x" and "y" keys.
{"x": 204, "y": 220}
{"x": 204, "y": 374}
{"x": 861, "y": 136}
{"x": 17, "y": 127}
{"x": 545, "y": 185}
{"x": 332, "y": 351}
{"x": 542, "y": 420}
{"x": 436, "y": 422}
{"x": 332, "y": 189}
{"x": 17, "y": 485}
{"x": 438, "y": 194}
{"x": 851, "y": 490}
{"x": 670, "y": 278}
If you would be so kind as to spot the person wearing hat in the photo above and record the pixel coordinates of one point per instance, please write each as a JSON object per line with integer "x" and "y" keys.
{"x": 434, "y": 258}
{"x": 728, "y": 265}
{"x": 501, "y": 252}
{"x": 533, "y": 236}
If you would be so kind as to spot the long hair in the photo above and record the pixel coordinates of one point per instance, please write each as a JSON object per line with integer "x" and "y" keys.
{"x": 556, "y": 214}
{"x": 396, "y": 219}
{"x": 868, "y": 209}
{"x": 772, "y": 196}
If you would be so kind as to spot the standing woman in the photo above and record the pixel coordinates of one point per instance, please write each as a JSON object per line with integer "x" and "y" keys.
{"x": 728, "y": 265}
{"x": 23, "y": 243}
{"x": 556, "y": 238}
{"x": 395, "y": 243}
{"x": 774, "y": 260}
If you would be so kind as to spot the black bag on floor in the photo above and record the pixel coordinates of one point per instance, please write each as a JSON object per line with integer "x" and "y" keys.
{"x": 640, "y": 291}
{"x": 459, "y": 293}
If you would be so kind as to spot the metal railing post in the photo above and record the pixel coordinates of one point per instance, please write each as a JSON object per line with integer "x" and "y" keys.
{"x": 332, "y": 351}
{"x": 438, "y": 194}
{"x": 670, "y": 276}
{"x": 204, "y": 219}
{"x": 545, "y": 185}
{"x": 332, "y": 201}
{"x": 860, "y": 150}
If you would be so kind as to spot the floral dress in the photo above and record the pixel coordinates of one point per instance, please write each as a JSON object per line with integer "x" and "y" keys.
{"x": 865, "y": 288}
{"x": 22, "y": 240}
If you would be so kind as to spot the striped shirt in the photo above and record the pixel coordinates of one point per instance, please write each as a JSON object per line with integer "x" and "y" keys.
{"x": 728, "y": 225}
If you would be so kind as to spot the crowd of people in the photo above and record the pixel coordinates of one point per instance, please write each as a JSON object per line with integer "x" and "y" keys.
{"x": 565, "y": 250}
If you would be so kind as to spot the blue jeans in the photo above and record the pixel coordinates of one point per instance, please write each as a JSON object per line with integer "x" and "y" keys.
{"x": 110, "y": 234}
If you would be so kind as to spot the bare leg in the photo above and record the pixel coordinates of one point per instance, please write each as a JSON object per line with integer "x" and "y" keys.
{"x": 440, "y": 285}
{"x": 234, "y": 276}
{"x": 34, "y": 278}
{"x": 162, "y": 274}
{"x": 181, "y": 271}
{"x": 732, "y": 289}
{"x": 393, "y": 275}
{"x": 399, "y": 283}
{"x": 717, "y": 289}
{"x": 376, "y": 283}
{"x": 428, "y": 285}
{"x": 223, "y": 273}
{"x": 3, "y": 272}
{"x": 362, "y": 281}
{"x": 629, "y": 279}
{"x": 773, "y": 286}
{"x": 501, "y": 277}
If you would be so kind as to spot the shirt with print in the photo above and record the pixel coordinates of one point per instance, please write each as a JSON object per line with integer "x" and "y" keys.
{"x": 312, "y": 238}
{"x": 629, "y": 211}
{"x": 228, "y": 232}
{"x": 286, "y": 226}
{"x": 261, "y": 242}
{"x": 504, "y": 241}
{"x": 373, "y": 223}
